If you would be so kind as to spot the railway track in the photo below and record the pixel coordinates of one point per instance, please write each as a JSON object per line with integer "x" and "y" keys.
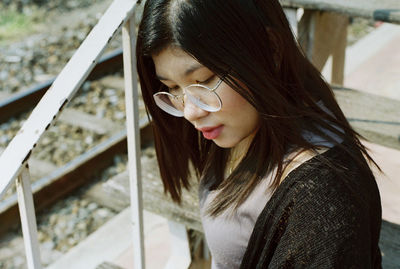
{"x": 103, "y": 131}
{"x": 55, "y": 180}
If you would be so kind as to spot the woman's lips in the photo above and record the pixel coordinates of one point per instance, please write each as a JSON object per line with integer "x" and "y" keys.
{"x": 211, "y": 132}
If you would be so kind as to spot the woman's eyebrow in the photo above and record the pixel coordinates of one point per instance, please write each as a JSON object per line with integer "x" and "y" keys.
{"x": 188, "y": 71}
{"x": 193, "y": 68}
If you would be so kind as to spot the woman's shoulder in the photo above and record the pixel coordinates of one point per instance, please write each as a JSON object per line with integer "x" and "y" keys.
{"x": 325, "y": 200}
{"x": 331, "y": 174}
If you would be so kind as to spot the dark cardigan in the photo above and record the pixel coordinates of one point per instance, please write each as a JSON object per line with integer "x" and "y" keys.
{"x": 319, "y": 217}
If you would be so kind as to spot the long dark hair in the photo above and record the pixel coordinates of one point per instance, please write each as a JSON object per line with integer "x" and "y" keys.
{"x": 249, "y": 44}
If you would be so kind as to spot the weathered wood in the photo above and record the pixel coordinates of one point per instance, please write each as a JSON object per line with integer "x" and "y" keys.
{"x": 339, "y": 51}
{"x": 114, "y": 193}
{"x": 113, "y": 82}
{"x": 322, "y": 34}
{"x": 382, "y": 10}
{"x": 375, "y": 117}
{"x": 38, "y": 168}
{"x": 86, "y": 121}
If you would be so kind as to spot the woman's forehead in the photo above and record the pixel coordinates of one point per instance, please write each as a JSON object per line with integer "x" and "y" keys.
{"x": 173, "y": 62}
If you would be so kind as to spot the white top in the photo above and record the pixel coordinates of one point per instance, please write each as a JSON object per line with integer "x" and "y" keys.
{"x": 227, "y": 235}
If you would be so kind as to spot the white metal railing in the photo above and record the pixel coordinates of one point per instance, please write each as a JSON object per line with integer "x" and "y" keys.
{"x": 13, "y": 161}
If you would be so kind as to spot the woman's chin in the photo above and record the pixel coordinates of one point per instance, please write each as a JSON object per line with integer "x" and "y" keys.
{"x": 224, "y": 143}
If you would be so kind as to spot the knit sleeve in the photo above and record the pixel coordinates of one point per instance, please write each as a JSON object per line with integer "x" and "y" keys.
{"x": 326, "y": 225}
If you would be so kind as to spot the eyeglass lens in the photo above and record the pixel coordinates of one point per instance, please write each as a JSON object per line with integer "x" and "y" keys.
{"x": 199, "y": 95}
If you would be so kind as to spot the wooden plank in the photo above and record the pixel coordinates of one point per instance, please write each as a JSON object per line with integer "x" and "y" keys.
{"x": 118, "y": 83}
{"x": 113, "y": 82}
{"x": 323, "y": 34}
{"x": 114, "y": 193}
{"x": 38, "y": 168}
{"x": 28, "y": 219}
{"x": 86, "y": 121}
{"x": 381, "y": 10}
{"x": 339, "y": 51}
{"x": 375, "y": 117}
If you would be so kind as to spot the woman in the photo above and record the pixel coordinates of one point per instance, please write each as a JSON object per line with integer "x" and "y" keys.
{"x": 284, "y": 182}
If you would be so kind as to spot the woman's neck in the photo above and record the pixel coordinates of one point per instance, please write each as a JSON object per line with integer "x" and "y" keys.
{"x": 238, "y": 152}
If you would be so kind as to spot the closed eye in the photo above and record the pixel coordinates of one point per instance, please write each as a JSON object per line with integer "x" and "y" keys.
{"x": 173, "y": 88}
{"x": 207, "y": 81}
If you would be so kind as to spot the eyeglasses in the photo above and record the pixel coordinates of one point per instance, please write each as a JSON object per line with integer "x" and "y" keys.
{"x": 200, "y": 95}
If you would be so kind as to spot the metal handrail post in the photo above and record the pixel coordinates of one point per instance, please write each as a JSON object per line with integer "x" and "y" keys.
{"x": 28, "y": 219}
{"x": 133, "y": 137}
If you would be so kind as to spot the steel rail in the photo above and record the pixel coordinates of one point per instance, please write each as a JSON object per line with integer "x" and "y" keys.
{"x": 25, "y": 100}
{"x": 75, "y": 174}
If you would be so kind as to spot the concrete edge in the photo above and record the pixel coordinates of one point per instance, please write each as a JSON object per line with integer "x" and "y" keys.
{"x": 107, "y": 243}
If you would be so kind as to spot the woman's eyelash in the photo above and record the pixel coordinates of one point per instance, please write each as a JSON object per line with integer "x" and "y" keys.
{"x": 197, "y": 82}
{"x": 206, "y": 81}
{"x": 173, "y": 88}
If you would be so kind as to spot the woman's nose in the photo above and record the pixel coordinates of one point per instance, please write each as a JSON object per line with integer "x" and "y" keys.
{"x": 192, "y": 112}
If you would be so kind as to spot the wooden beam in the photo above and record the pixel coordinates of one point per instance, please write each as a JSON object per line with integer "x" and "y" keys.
{"x": 375, "y": 117}
{"x": 114, "y": 193}
{"x": 322, "y": 34}
{"x": 90, "y": 122}
{"x": 38, "y": 168}
{"x": 339, "y": 51}
{"x": 113, "y": 82}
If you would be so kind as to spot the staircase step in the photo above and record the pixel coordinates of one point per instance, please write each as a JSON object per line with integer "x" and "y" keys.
{"x": 111, "y": 243}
